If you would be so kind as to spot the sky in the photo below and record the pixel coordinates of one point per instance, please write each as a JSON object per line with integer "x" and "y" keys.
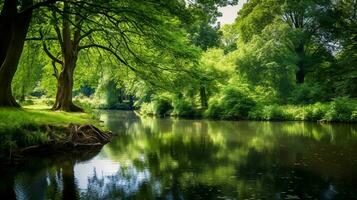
{"x": 230, "y": 13}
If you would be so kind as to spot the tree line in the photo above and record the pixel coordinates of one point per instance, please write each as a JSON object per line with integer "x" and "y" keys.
{"x": 173, "y": 57}
{"x": 132, "y": 32}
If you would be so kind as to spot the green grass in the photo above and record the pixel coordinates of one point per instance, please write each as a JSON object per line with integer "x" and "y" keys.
{"x": 22, "y": 127}
{"x": 28, "y": 115}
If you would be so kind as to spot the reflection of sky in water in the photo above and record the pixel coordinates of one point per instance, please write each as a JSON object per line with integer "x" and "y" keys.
{"x": 110, "y": 172}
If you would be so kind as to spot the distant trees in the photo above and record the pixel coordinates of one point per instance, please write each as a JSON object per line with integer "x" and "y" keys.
{"x": 276, "y": 52}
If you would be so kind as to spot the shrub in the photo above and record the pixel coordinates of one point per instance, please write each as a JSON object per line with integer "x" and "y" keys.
{"x": 342, "y": 109}
{"x": 273, "y": 112}
{"x": 305, "y": 94}
{"x": 161, "y": 105}
{"x": 215, "y": 109}
{"x": 183, "y": 108}
{"x": 354, "y": 116}
{"x": 147, "y": 109}
{"x": 233, "y": 104}
{"x": 27, "y": 102}
{"x": 48, "y": 102}
{"x": 318, "y": 111}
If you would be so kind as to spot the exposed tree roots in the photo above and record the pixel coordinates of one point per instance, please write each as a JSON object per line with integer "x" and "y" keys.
{"x": 67, "y": 138}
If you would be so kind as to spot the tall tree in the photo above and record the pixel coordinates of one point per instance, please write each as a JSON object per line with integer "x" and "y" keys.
{"x": 120, "y": 29}
{"x": 14, "y": 24}
{"x": 301, "y": 15}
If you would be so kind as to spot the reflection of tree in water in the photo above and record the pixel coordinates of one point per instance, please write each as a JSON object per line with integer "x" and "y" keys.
{"x": 124, "y": 184}
{"x": 193, "y": 159}
{"x": 190, "y": 159}
{"x": 45, "y": 178}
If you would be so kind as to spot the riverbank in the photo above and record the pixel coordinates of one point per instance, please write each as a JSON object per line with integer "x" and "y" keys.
{"x": 342, "y": 110}
{"x": 35, "y": 128}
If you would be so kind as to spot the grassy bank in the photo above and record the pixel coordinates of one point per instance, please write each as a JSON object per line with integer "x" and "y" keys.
{"x": 26, "y": 127}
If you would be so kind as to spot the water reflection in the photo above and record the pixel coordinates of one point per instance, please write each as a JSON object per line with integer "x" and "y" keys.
{"x": 200, "y": 159}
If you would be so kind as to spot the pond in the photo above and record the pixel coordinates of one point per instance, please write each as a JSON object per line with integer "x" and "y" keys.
{"x": 155, "y": 158}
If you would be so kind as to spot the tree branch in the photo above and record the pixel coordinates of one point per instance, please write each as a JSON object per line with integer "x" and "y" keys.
{"x": 50, "y": 55}
{"x": 110, "y": 51}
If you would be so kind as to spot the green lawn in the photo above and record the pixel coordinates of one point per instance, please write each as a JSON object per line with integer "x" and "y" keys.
{"x": 21, "y": 127}
{"x": 38, "y": 115}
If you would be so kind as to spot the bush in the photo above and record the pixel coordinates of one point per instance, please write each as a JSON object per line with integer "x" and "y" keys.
{"x": 147, "y": 109}
{"x": 48, "y": 102}
{"x": 233, "y": 104}
{"x": 183, "y": 108}
{"x": 161, "y": 105}
{"x": 312, "y": 112}
{"x": 272, "y": 112}
{"x": 341, "y": 109}
{"x": 354, "y": 116}
{"x": 27, "y": 102}
{"x": 317, "y": 111}
{"x": 305, "y": 94}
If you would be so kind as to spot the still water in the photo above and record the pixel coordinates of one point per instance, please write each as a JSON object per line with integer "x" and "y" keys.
{"x": 157, "y": 158}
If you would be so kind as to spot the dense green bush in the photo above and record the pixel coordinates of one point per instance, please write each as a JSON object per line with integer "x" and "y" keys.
{"x": 147, "y": 109}
{"x": 271, "y": 112}
{"x": 341, "y": 109}
{"x": 183, "y": 108}
{"x": 27, "y": 102}
{"x": 160, "y": 105}
{"x": 305, "y": 94}
{"x": 232, "y": 104}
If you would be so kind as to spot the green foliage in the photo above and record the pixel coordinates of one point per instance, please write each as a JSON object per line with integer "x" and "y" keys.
{"x": 271, "y": 112}
{"x": 306, "y": 94}
{"x": 183, "y": 108}
{"x": 28, "y": 72}
{"x": 268, "y": 60}
{"x": 161, "y": 105}
{"x": 232, "y": 103}
{"x": 254, "y": 16}
{"x": 147, "y": 109}
{"x": 341, "y": 109}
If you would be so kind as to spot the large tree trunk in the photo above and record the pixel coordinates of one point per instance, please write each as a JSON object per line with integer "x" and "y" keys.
{"x": 65, "y": 88}
{"x": 70, "y": 56}
{"x": 7, "y": 17}
{"x": 19, "y": 24}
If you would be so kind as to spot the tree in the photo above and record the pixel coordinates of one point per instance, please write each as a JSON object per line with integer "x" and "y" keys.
{"x": 13, "y": 25}
{"x": 302, "y": 16}
{"x": 151, "y": 14}
{"x": 119, "y": 30}
{"x": 15, "y": 19}
{"x": 269, "y": 59}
